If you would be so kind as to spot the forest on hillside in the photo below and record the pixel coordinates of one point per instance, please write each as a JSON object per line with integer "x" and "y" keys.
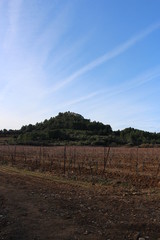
{"x": 73, "y": 129}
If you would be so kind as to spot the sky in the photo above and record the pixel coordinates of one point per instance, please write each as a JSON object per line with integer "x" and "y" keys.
{"x": 98, "y": 58}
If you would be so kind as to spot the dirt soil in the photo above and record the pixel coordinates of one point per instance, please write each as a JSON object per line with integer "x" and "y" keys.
{"x": 37, "y": 206}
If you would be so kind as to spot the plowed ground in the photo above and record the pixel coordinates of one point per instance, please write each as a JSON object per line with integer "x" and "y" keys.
{"x": 36, "y": 206}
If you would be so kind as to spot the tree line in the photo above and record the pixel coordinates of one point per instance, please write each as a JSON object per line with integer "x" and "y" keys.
{"x": 73, "y": 129}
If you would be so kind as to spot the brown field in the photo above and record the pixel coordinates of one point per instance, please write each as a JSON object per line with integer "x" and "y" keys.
{"x": 139, "y": 165}
{"x": 79, "y": 193}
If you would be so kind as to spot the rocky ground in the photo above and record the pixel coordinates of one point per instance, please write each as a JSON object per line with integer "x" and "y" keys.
{"x": 37, "y": 206}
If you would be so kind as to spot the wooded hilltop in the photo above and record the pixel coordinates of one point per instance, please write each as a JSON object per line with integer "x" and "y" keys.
{"x": 73, "y": 129}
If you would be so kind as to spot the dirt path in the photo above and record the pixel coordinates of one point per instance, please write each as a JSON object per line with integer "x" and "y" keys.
{"x": 33, "y": 206}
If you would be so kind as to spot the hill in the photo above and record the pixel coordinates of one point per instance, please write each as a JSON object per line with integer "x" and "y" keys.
{"x": 73, "y": 129}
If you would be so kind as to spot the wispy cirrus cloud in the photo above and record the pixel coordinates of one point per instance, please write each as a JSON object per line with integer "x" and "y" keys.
{"x": 111, "y": 92}
{"x": 79, "y": 100}
{"x": 136, "y": 82}
{"x": 26, "y": 45}
{"x": 106, "y": 57}
{"x": 129, "y": 104}
{"x": 14, "y": 9}
{"x": 110, "y": 95}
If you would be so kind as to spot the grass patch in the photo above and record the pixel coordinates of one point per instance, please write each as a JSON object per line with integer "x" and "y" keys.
{"x": 44, "y": 176}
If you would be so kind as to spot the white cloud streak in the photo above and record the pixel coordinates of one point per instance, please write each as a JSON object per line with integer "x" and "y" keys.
{"x": 79, "y": 100}
{"x": 23, "y": 78}
{"x": 123, "y": 106}
{"x": 106, "y": 57}
{"x": 136, "y": 82}
{"x": 129, "y": 85}
{"x": 14, "y": 9}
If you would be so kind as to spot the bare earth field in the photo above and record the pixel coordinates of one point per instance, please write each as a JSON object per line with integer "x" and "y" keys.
{"x": 42, "y": 206}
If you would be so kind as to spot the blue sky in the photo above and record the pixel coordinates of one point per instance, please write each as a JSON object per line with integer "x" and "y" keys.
{"x": 98, "y": 58}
